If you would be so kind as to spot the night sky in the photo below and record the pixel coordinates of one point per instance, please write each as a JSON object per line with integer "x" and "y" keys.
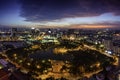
{"x": 60, "y": 13}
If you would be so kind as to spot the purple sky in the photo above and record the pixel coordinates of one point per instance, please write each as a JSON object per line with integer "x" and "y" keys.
{"x": 61, "y": 13}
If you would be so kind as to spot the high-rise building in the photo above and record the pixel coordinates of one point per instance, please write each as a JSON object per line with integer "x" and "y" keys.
{"x": 116, "y": 37}
{"x": 13, "y": 32}
{"x": 107, "y": 42}
{"x": 116, "y": 47}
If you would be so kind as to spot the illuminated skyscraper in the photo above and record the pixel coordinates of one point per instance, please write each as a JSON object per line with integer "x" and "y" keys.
{"x": 13, "y": 34}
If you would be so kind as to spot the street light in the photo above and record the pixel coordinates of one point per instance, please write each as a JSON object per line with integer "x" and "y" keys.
{"x": 28, "y": 64}
{"x": 38, "y": 66}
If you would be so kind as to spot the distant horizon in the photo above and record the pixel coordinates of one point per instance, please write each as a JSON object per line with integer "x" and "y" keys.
{"x": 8, "y": 27}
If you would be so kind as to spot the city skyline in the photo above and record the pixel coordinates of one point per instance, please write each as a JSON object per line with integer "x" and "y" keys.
{"x": 60, "y": 13}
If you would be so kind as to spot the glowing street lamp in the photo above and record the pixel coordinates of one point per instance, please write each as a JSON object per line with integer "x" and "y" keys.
{"x": 28, "y": 64}
{"x": 38, "y": 66}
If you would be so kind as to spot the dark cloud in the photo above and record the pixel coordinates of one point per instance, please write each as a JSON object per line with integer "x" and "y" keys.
{"x": 44, "y": 10}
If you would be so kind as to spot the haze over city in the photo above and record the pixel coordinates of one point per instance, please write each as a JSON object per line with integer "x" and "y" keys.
{"x": 60, "y": 13}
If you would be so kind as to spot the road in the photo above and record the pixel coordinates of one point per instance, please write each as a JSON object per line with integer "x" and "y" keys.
{"x": 115, "y": 57}
{"x": 92, "y": 48}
